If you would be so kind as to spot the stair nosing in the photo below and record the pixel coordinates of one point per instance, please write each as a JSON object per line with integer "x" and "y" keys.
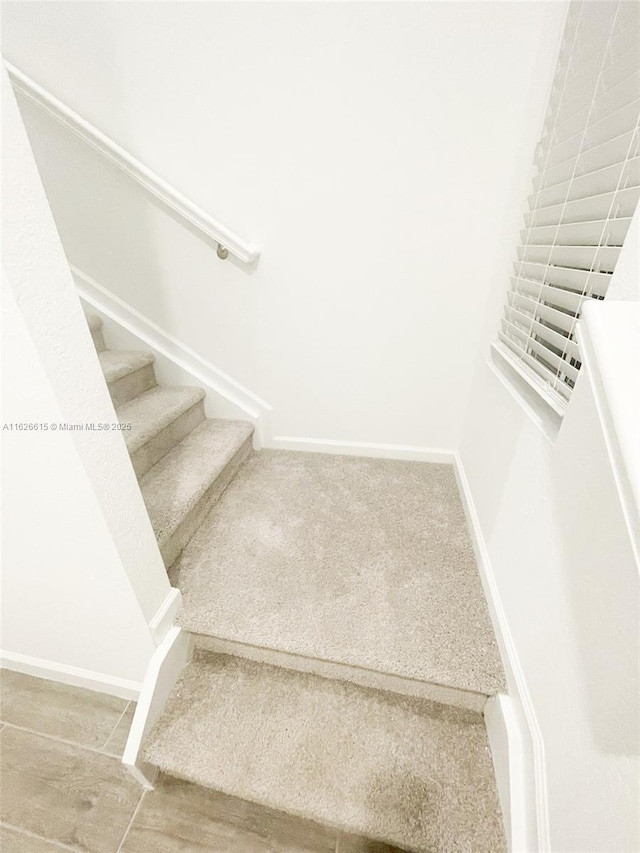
{"x": 165, "y": 533}
{"x": 144, "y": 360}
{"x": 191, "y": 396}
{"x": 361, "y": 676}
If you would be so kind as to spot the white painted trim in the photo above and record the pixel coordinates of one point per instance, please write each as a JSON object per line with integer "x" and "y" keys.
{"x": 529, "y": 813}
{"x": 363, "y": 448}
{"x": 507, "y": 751}
{"x": 160, "y": 341}
{"x": 533, "y": 402}
{"x": 164, "y": 669}
{"x": 162, "y": 620}
{"x": 548, "y": 397}
{"x": 179, "y": 204}
{"x": 73, "y": 675}
{"x": 611, "y": 371}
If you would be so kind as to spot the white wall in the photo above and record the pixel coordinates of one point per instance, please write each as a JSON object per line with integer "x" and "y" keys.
{"x": 372, "y": 150}
{"x": 563, "y": 563}
{"x": 82, "y": 574}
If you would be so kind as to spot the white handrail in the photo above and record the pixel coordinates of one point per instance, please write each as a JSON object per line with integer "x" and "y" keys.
{"x": 168, "y": 195}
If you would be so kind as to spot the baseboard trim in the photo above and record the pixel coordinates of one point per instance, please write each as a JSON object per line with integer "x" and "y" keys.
{"x": 162, "y": 620}
{"x": 363, "y": 448}
{"x": 73, "y": 675}
{"x": 505, "y": 733}
{"x": 163, "y": 671}
{"x": 161, "y": 342}
{"x": 519, "y": 753}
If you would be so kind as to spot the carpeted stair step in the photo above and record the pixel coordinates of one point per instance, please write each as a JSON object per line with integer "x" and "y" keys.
{"x": 405, "y": 771}
{"x": 95, "y": 327}
{"x": 128, "y": 373}
{"x": 183, "y": 486}
{"x": 159, "y": 420}
{"x": 345, "y": 567}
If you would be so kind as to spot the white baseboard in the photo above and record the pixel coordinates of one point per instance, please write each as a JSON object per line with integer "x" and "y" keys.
{"x": 363, "y": 448}
{"x": 514, "y": 734}
{"x": 72, "y": 675}
{"x": 163, "y": 671}
{"x": 508, "y": 751}
{"x": 162, "y": 620}
{"x": 225, "y": 396}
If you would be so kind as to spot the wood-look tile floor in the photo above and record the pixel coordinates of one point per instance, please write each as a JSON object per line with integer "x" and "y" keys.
{"x": 65, "y": 788}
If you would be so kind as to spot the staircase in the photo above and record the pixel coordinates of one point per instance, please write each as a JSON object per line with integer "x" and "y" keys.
{"x": 183, "y": 460}
{"x": 343, "y": 649}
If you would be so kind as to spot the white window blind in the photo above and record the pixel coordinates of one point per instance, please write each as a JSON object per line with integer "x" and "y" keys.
{"x": 585, "y": 191}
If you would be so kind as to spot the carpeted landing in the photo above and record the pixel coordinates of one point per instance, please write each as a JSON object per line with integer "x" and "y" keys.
{"x": 361, "y": 562}
{"x": 406, "y": 771}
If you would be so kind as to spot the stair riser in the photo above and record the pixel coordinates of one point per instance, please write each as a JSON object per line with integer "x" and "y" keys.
{"x": 146, "y": 456}
{"x": 130, "y": 386}
{"x": 98, "y": 339}
{"x": 451, "y": 696}
{"x": 173, "y": 545}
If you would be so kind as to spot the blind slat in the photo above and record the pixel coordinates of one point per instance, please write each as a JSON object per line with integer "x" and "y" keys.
{"x": 567, "y": 299}
{"x": 543, "y": 333}
{"x": 585, "y": 192}
{"x": 588, "y": 108}
{"x": 567, "y": 278}
{"x": 536, "y": 308}
{"x": 598, "y": 131}
{"x": 598, "y": 258}
{"x": 624, "y": 174}
{"x": 551, "y": 358}
{"x": 625, "y": 63}
{"x": 612, "y": 204}
{"x": 608, "y": 232}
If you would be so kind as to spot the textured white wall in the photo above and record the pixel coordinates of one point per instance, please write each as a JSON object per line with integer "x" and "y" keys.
{"x": 82, "y": 574}
{"x": 372, "y": 150}
{"x": 564, "y": 566}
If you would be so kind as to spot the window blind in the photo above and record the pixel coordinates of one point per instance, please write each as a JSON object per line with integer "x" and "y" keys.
{"x": 586, "y": 188}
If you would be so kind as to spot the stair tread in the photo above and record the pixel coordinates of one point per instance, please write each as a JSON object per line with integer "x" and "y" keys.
{"x": 176, "y": 483}
{"x": 355, "y": 561}
{"x": 119, "y": 363}
{"x": 154, "y": 410}
{"x": 94, "y": 321}
{"x": 406, "y": 771}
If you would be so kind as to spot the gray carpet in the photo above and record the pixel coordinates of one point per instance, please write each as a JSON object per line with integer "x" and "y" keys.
{"x": 366, "y": 562}
{"x": 175, "y": 484}
{"x": 405, "y": 771}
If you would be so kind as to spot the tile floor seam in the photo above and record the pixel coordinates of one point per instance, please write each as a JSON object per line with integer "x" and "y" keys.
{"x": 113, "y": 730}
{"x": 61, "y": 740}
{"x": 22, "y": 831}
{"x": 131, "y": 822}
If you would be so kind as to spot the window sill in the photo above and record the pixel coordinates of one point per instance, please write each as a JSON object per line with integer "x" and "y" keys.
{"x": 532, "y": 397}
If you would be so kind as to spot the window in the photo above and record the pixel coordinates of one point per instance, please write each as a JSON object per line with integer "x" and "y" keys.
{"x": 585, "y": 191}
